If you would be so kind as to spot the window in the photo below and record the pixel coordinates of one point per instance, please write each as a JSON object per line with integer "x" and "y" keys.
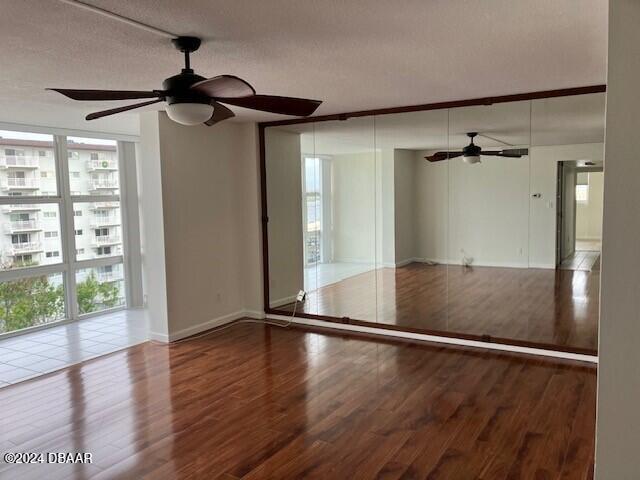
{"x": 35, "y": 272}
{"x": 582, "y": 193}
{"x": 24, "y": 260}
{"x": 312, "y": 208}
{"x": 100, "y": 288}
{"x": 104, "y": 234}
{"x": 23, "y": 163}
{"x": 104, "y": 250}
{"x": 99, "y": 159}
{"x": 32, "y": 301}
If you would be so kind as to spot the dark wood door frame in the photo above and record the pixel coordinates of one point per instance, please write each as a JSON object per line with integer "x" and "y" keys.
{"x": 386, "y": 111}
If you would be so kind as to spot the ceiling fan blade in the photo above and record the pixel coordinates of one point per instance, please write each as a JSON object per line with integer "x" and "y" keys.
{"x": 220, "y": 113}
{"x": 104, "y": 113}
{"x": 105, "y": 94}
{"x": 508, "y": 153}
{"x": 299, "y": 107}
{"x": 439, "y": 156}
{"x": 224, "y": 86}
{"x": 515, "y": 152}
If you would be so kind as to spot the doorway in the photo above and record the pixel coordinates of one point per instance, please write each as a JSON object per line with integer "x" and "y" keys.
{"x": 579, "y": 215}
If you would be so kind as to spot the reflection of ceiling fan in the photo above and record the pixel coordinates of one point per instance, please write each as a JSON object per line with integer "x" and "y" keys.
{"x": 472, "y": 152}
{"x": 193, "y": 99}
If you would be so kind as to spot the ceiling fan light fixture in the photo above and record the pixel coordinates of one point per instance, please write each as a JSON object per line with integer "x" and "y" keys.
{"x": 189, "y": 113}
{"x": 471, "y": 159}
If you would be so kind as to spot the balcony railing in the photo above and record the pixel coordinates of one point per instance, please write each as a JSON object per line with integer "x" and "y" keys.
{"x": 19, "y": 161}
{"x": 21, "y": 225}
{"x": 21, "y": 183}
{"x": 104, "y": 221}
{"x": 103, "y": 205}
{"x": 103, "y": 184}
{"x": 109, "y": 276}
{"x": 102, "y": 165}
{"x": 25, "y": 247}
{"x": 20, "y": 207}
{"x": 100, "y": 240}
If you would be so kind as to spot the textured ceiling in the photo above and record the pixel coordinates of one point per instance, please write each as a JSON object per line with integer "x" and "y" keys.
{"x": 353, "y": 54}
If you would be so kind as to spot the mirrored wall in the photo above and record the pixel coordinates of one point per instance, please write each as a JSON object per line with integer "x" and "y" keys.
{"x": 479, "y": 222}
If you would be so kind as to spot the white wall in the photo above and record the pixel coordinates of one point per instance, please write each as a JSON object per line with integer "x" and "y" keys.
{"x": 354, "y": 212}
{"x": 199, "y": 211}
{"x": 487, "y": 209}
{"x": 152, "y": 225}
{"x": 589, "y": 215}
{"x": 284, "y": 200}
{"x": 404, "y": 206}
{"x": 544, "y": 160}
{"x": 618, "y": 418}
{"x": 431, "y": 186}
{"x": 385, "y": 208}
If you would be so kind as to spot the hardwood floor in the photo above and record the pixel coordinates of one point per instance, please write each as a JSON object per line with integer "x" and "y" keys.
{"x": 557, "y": 307}
{"x": 258, "y": 402}
{"x": 582, "y": 260}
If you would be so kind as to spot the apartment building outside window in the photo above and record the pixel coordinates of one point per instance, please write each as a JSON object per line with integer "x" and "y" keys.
{"x": 61, "y": 237}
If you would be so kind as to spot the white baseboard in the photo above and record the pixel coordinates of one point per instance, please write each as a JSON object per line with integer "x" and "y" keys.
{"x": 159, "y": 337}
{"x": 405, "y": 262}
{"x": 201, "y": 327}
{"x": 437, "y": 339}
{"x": 386, "y": 265}
{"x": 476, "y": 263}
{"x": 255, "y": 314}
{"x": 282, "y": 301}
{"x": 543, "y": 265}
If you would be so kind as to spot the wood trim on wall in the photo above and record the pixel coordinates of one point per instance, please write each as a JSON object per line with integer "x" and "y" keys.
{"x": 518, "y": 97}
{"x": 565, "y": 92}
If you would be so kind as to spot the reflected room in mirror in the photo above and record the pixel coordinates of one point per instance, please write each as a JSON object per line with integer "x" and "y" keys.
{"x": 478, "y": 222}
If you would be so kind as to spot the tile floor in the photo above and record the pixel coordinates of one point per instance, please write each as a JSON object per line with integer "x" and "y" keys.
{"x": 33, "y": 354}
{"x": 324, "y": 274}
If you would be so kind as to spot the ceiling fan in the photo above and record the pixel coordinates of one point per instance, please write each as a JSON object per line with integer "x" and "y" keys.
{"x": 193, "y": 99}
{"x": 472, "y": 152}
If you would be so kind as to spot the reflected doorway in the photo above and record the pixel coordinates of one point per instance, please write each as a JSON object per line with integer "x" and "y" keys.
{"x": 579, "y": 224}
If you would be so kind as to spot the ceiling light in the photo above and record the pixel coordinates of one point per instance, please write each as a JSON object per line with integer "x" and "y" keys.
{"x": 190, "y": 113}
{"x": 471, "y": 159}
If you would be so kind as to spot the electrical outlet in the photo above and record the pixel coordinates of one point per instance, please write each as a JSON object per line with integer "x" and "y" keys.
{"x": 301, "y": 296}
